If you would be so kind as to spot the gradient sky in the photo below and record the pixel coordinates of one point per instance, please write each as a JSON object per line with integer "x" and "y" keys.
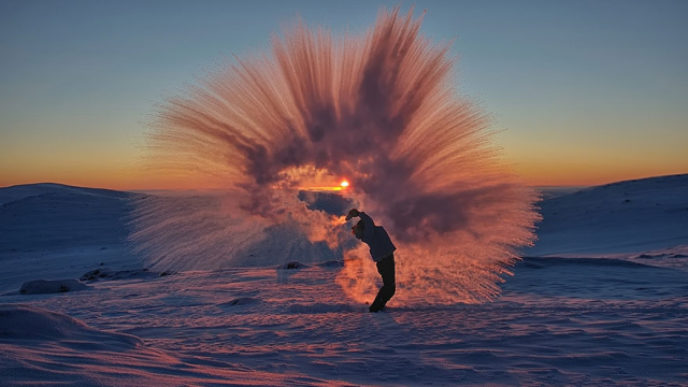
{"x": 580, "y": 92}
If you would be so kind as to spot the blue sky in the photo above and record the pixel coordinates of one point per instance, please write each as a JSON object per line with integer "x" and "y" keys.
{"x": 580, "y": 92}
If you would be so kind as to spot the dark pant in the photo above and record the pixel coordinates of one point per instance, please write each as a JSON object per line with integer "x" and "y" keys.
{"x": 386, "y": 269}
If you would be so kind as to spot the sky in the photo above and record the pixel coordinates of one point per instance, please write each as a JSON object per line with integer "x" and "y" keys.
{"x": 578, "y": 92}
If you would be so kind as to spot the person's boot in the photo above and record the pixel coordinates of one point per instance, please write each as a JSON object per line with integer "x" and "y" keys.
{"x": 376, "y": 306}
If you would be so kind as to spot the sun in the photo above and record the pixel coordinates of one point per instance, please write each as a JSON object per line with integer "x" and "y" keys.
{"x": 343, "y": 184}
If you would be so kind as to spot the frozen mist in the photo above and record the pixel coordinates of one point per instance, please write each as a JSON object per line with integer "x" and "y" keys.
{"x": 378, "y": 110}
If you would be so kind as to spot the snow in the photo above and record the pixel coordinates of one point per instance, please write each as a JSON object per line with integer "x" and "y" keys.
{"x": 623, "y": 217}
{"x": 58, "y": 231}
{"x": 25, "y": 322}
{"x": 613, "y": 316}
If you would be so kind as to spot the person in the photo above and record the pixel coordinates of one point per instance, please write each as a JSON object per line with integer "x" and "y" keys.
{"x": 382, "y": 252}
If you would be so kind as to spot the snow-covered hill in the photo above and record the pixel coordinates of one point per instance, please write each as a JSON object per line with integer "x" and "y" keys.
{"x": 48, "y": 217}
{"x": 628, "y": 216}
{"x": 61, "y": 231}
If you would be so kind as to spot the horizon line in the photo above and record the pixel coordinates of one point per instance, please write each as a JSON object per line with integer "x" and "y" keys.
{"x": 540, "y": 186}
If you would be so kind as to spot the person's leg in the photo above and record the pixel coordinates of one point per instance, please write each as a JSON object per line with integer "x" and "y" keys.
{"x": 377, "y": 303}
{"x": 386, "y": 269}
{"x": 388, "y": 279}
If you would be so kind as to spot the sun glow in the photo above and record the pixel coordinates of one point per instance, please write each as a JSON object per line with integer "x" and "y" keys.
{"x": 344, "y": 184}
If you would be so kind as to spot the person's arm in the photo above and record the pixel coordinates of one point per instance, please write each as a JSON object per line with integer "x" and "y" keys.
{"x": 352, "y": 214}
{"x": 368, "y": 225}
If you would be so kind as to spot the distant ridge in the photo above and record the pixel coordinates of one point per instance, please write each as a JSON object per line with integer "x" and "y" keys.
{"x": 642, "y": 183}
{"x": 625, "y": 216}
{"x": 49, "y": 217}
{"x": 21, "y": 191}
{"x": 683, "y": 176}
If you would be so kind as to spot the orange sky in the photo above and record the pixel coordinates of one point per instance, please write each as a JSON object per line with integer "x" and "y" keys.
{"x": 542, "y": 157}
{"x": 576, "y": 94}
{"x": 536, "y": 169}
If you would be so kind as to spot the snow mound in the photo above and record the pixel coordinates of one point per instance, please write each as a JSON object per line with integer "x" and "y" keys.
{"x": 24, "y": 322}
{"x": 57, "y": 286}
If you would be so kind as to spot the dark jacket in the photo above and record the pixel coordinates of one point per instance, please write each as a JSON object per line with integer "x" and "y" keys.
{"x": 376, "y": 238}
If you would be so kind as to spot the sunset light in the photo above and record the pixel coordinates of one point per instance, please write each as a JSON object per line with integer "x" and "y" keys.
{"x": 342, "y": 186}
{"x": 304, "y": 193}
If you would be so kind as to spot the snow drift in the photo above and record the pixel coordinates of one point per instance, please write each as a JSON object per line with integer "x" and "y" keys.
{"x": 26, "y": 322}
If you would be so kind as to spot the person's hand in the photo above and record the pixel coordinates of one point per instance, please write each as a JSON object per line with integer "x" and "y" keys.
{"x": 352, "y": 214}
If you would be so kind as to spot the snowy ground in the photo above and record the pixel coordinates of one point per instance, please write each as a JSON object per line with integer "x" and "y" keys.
{"x": 615, "y": 316}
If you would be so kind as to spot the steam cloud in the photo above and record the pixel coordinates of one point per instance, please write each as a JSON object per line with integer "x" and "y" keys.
{"x": 378, "y": 110}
